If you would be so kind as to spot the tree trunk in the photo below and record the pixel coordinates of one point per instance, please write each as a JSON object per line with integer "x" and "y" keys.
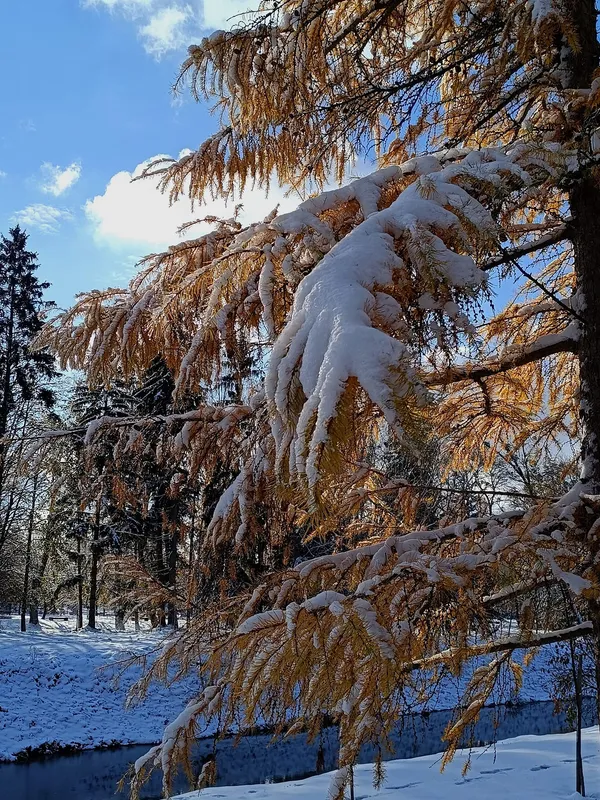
{"x": 36, "y": 585}
{"x": 79, "y": 586}
{"x": 28, "y": 555}
{"x": 585, "y": 202}
{"x": 578, "y": 675}
{"x": 191, "y": 582}
{"x": 159, "y": 564}
{"x": 94, "y": 568}
{"x": 171, "y": 608}
{"x": 579, "y": 65}
{"x": 120, "y": 619}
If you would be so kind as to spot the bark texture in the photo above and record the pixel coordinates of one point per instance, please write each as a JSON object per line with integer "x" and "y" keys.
{"x": 579, "y": 65}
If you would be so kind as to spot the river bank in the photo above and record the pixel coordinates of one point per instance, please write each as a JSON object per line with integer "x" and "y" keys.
{"x": 58, "y": 690}
{"x": 58, "y": 693}
{"x": 257, "y": 760}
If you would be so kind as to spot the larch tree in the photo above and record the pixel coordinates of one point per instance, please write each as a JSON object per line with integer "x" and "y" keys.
{"x": 369, "y": 307}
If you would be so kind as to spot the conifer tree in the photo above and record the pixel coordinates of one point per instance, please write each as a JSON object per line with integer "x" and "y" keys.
{"x": 24, "y": 371}
{"x": 369, "y": 305}
{"x": 88, "y": 406}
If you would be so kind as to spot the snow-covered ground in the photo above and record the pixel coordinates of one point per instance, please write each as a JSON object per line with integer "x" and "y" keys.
{"x": 53, "y": 690}
{"x": 525, "y": 768}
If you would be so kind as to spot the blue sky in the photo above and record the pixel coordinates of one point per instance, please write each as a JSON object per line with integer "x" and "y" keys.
{"x": 86, "y": 88}
{"x": 86, "y": 99}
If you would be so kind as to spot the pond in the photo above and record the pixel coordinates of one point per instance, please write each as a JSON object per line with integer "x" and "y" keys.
{"x": 94, "y": 774}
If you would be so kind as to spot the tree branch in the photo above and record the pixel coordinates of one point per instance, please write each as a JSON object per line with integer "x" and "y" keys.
{"x": 518, "y": 590}
{"x": 554, "y": 297}
{"x": 548, "y": 345}
{"x": 555, "y": 236}
{"x": 455, "y": 490}
{"x": 507, "y": 644}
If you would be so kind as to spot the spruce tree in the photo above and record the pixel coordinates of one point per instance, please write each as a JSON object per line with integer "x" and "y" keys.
{"x": 24, "y": 372}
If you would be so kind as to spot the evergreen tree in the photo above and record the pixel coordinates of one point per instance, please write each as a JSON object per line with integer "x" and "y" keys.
{"x": 95, "y": 483}
{"x": 24, "y": 371}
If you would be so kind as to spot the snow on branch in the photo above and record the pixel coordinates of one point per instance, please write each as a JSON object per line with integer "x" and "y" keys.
{"x": 507, "y": 643}
{"x": 404, "y": 543}
{"x": 176, "y": 738}
{"x": 543, "y": 347}
{"x": 339, "y": 328}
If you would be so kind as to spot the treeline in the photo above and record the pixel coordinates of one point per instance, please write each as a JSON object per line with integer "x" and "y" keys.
{"x": 61, "y": 512}
{"x": 82, "y": 525}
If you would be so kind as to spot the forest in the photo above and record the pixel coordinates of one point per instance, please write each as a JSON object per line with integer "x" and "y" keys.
{"x": 347, "y": 455}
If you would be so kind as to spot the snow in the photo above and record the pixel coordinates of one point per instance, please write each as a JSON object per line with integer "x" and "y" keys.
{"x": 262, "y": 620}
{"x": 527, "y": 768}
{"x": 368, "y": 616}
{"x": 52, "y": 688}
{"x": 336, "y": 330}
{"x": 542, "y": 10}
{"x": 322, "y": 600}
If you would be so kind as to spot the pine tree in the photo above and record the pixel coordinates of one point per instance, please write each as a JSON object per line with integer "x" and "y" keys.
{"x": 97, "y": 475}
{"x": 369, "y": 306}
{"x": 142, "y": 501}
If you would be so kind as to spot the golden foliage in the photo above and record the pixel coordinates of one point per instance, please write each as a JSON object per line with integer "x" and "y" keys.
{"x": 368, "y": 311}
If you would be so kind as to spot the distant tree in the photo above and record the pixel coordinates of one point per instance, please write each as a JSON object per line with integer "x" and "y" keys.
{"x": 137, "y": 505}
{"x": 97, "y": 475}
{"x": 26, "y": 375}
{"x": 154, "y": 497}
{"x": 24, "y": 371}
{"x": 11, "y": 570}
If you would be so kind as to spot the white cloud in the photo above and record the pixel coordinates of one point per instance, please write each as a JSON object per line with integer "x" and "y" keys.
{"x": 218, "y": 14}
{"x": 45, "y": 218}
{"x": 167, "y": 25}
{"x": 166, "y": 30}
{"x": 56, "y": 180}
{"x": 2, "y": 174}
{"x": 138, "y": 215}
{"x": 129, "y": 6}
{"x": 162, "y": 25}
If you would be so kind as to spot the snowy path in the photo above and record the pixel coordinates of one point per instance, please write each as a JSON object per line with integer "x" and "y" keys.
{"x": 525, "y": 768}
{"x": 53, "y": 690}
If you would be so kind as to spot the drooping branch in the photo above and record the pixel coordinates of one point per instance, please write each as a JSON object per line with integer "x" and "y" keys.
{"x": 517, "y": 590}
{"x": 222, "y": 415}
